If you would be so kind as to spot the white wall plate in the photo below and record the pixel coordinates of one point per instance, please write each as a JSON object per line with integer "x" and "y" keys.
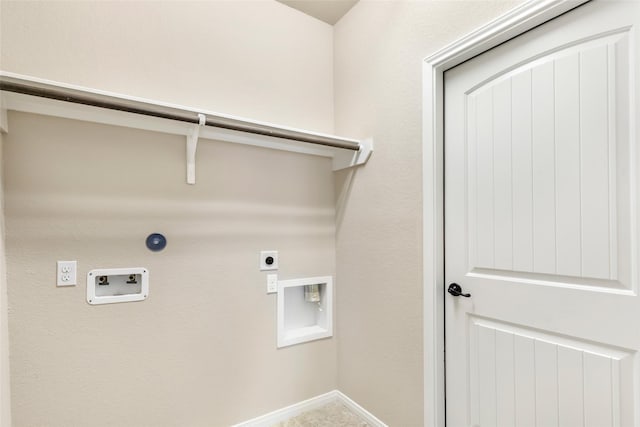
{"x": 268, "y": 260}
{"x": 301, "y": 321}
{"x": 111, "y": 285}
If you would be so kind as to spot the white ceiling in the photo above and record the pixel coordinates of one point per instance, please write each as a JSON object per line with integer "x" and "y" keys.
{"x": 329, "y": 11}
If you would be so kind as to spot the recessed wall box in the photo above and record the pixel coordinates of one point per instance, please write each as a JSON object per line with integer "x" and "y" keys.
{"x": 305, "y": 310}
{"x": 109, "y": 285}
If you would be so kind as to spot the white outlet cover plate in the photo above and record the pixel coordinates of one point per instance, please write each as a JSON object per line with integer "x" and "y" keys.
{"x": 66, "y": 273}
{"x": 272, "y": 283}
{"x": 263, "y": 257}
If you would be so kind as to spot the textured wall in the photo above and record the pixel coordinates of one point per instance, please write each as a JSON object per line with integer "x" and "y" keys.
{"x": 235, "y": 57}
{"x": 379, "y": 48}
{"x": 5, "y": 392}
{"x": 201, "y": 350}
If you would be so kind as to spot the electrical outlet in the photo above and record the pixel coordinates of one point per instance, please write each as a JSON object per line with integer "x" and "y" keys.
{"x": 272, "y": 283}
{"x": 268, "y": 260}
{"x": 67, "y": 273}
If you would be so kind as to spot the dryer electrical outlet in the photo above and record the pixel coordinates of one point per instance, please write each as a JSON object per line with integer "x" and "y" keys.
{"x": 110, "y": 285}
{"x": 268, "y": 260}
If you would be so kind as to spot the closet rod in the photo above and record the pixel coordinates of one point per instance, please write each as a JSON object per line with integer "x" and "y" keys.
{"x": 134, "y": 107}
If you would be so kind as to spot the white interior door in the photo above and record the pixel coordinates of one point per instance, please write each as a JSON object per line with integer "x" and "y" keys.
{"x": 541, "y": 226}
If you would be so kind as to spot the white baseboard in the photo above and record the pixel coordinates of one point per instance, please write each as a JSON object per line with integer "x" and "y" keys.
{"x": 296, "y": 409}
{"x": 371, "y": 419}
{"x": 283, "y": 414}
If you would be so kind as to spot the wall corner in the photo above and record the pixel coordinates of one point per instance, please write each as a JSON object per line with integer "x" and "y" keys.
{"x": 5, "y": 391}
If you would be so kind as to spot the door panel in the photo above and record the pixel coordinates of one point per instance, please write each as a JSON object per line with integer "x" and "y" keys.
{"x": 529, "y": 377}
{"x": 541, "y": 226}
{"x": 545, "y": 134}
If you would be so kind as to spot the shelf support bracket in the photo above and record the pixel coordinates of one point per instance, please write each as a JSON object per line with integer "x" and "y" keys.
{"x": 192, "y": 146}
{"x": 350, "y": 159}
{"x": 4, "y": 121}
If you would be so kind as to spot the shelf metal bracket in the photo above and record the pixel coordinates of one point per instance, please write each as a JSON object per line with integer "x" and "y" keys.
{"x": 192, "y": 146}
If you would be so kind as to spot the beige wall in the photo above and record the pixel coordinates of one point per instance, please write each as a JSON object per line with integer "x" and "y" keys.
{"x": 253, "y": 58}
{"x": 5, "y": 393}
{"x": 201, "y": 350}
{"x": 5, "y": 390}
{"x": 379, "y": 47}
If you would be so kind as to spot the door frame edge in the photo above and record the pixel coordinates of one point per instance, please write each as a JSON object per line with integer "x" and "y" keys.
{"x": 517, "y": 21}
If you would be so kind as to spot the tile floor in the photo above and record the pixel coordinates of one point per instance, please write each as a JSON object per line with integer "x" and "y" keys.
{"x": 334, "y": 414}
